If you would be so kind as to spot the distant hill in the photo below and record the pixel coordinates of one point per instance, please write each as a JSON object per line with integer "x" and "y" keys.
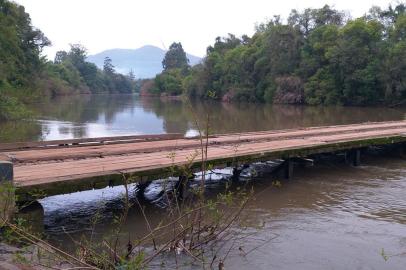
{"x": 145, "y": 62}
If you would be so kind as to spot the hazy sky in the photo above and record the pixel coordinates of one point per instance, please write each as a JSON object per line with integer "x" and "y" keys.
{"x": 106, "y": 24}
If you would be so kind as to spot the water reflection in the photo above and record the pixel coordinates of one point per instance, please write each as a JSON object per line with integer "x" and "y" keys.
{"x": 20, "y": 131}
{"x": 109, "y": 115}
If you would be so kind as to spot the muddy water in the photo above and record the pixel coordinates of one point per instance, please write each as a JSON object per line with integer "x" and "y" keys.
{"x": 330, "y": 216}
{"x": 334, "y": 217}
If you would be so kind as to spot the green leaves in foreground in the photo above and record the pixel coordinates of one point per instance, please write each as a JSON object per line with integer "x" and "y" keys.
{"x": 12, "y": 109}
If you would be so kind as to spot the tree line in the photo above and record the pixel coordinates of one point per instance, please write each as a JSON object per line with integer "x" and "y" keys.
{"x": 25, "y": 74}
{"x": 317, "y": 56}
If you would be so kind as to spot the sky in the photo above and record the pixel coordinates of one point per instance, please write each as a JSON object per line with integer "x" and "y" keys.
{"x": 130, "y": 24}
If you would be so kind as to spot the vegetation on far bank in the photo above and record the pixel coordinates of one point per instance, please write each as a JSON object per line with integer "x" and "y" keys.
{"x": 318, "y": 56}
{"x": 25, "y": 74}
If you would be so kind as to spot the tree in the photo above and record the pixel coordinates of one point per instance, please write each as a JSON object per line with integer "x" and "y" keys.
{"x": 394, "y": 67}
{"x": 77, "y": 55}
{"x": 175, "y": 57}
{"x": 169, "y": 82}
{"x": 20, "y": 57}
{"x": 311, "y": 19}
{"x": 60, "y": 57}
{"x": 131, "y": 75}
{"x": 327, "y": 16}
{"x": 108, "y": 67}
{"x": 22, "y": 67}
{"x": 20, "y": 46}
{"x": 357, "y": 60}
{"x": 282, "y": 49}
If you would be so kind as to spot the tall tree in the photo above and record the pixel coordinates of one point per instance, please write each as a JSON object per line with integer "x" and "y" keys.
{"x": 20, "y": 45}
{"x": 175, "y": 57}
{"x": 108, "y": 67}
{"x": 131, "y": 75}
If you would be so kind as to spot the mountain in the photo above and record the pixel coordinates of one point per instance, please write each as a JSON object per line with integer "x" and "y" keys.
{"x": 145, "y": 62}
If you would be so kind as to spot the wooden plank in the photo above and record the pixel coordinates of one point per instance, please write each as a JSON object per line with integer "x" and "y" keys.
{"x": 348, "y": 126}
{"x": 87, "y": 141}
{"x": 171, "y": 136}
{"x": 146, "y": 147}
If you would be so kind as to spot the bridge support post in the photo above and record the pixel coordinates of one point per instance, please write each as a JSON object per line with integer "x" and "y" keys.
{"x": 238, "y": 170}
{"x": 142, "y": 186}
{"x": 180, "y": 187}
{"x": 355, "y": 157}
{"x": 7, "y": 192}
{"x": 236, "y": 174}
{"x": 288, "y": 169}
{"x": 401, "y": 150}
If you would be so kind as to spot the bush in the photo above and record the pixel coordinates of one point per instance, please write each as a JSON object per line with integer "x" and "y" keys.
{"x": 11, "y": 108}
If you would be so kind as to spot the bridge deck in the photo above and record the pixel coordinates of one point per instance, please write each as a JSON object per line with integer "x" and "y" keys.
{"x": 74, "y": 166}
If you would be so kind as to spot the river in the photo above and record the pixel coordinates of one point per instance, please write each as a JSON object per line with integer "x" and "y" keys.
{"x": 109, "y": 115}
{"x": 330, "y": 216}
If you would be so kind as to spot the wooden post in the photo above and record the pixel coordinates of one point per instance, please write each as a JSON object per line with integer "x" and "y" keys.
{"x": 353, "y": 157}
{"x": 142, "y": 186}
{"x": 7, "y": 192}
{"x": 356, "y": 157}
{"x": 401, "y": 150}
{"x": 236, "y": 174}
{"x": 344, "y": 156}
{"x": 237, "y": 170}
{"x": 288, "y": 168}
{"x": 180, "y": 187}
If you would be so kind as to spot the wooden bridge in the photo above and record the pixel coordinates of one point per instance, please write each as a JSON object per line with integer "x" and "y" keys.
{"x": 64, "y": 166}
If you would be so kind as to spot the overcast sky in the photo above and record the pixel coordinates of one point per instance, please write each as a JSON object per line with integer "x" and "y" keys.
{"x": 106, "y": 24}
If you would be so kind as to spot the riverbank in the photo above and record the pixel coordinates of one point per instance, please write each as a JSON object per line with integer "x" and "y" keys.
{"x": 13, "y": 258}
{"x": 31, "y": 257}
{"x": 7, "y": 257}
{"x": 27, "y": 258}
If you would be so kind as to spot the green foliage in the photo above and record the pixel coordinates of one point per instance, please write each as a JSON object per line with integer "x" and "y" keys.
{"x": 134, "y": 263}
{"x": 169, "y": 82}
{"x": 172, "y": 81}
{"x": 175, "y": 57}
{"x": 20, "y": 45}
{"x": 7, "y": 202}
{"x": 108, "y": 67}
{"x": 11, "y": 108}
{"x": 84, "y": 76}
{"x": 321, "y": 88}
{"x": 20, "y": 48}
{"x": 318, "y": 56}
{"x": 24, "y": 73}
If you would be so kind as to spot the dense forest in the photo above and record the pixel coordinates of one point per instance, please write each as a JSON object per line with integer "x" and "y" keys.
{"x": 318, "y": 56}
{"x": 25, "y": 74}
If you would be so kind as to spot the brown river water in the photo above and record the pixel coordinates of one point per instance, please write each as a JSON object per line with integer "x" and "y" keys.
{"x": 329, "y": 216}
